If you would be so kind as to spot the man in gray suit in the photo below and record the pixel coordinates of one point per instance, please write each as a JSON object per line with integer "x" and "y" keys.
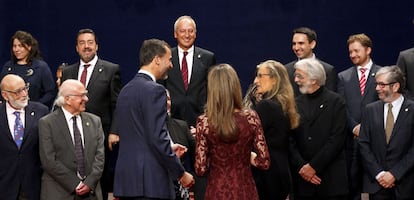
{"x": 71, "y": 144}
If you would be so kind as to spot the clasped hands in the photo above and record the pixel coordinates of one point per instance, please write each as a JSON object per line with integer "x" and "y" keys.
{"x": 386, "y": 180}
{"x": 309, "y": 174}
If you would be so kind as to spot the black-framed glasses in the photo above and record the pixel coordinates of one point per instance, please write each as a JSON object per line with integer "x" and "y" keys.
{"x": 382, "y": 85}
{"x": 258, "y": 75}
{"x": 81, "y": 95}
{"x": 19, "y": 91}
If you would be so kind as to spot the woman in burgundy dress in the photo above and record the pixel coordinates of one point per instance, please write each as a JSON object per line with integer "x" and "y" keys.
{"x": 225, "y": 138}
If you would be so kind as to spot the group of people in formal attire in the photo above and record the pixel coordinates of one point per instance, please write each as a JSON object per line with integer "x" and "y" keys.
{"x": 181, "y": 129}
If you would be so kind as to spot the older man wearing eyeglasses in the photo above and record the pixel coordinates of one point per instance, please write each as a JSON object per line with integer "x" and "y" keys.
{"x": 20, "y": 168}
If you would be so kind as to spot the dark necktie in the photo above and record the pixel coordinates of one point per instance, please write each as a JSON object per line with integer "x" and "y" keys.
{"x": 389, "y": 123}
{"x": 84, "y": 73}
{"x": 18, "y": 130}
{"x": 80, "y": 161}
{"x": 184, "y": 70}
{"x": 362, "y": 80}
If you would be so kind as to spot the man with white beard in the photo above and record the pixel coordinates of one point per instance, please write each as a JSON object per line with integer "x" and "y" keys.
{"x": 20, "y": 168}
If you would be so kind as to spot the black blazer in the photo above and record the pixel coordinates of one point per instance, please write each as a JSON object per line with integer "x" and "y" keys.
{"x": 319, "y": 140}
{"x": 331, "y": 76}
{"x": 406, "y": 63}
{"x": 180, "y": 133}
{"x": 20, "y": 168}
{"x": 187, "y": 105}
{"x": 397, "y": 156}
{"x": 103, "y": 89}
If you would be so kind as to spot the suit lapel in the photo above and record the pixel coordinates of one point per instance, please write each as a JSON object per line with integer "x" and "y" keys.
{"x": 60, "y": 121}
{"x": 87, "y": 133}
{"x": 196, "y": 66}
{"x": 175, "y": 72}
{"x": 4, "y": 125}
{"x": 29, "y": 119}
{"x": 402, "y": 116}
{"x": 95, "y": 73}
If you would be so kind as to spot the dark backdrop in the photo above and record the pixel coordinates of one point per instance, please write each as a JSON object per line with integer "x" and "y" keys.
{"x": 240, "y": 32}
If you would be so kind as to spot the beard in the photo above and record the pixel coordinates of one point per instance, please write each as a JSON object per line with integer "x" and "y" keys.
{"x": 19, "y": 103}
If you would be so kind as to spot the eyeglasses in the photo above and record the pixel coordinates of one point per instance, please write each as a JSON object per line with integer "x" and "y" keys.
{"x": 382, "y": 85}
{"x": 85, "y": 94}
{"x": 20, "y": 91}
{"x": 261, "y": 75}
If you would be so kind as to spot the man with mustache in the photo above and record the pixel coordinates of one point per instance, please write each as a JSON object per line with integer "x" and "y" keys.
{"x": 20, "y": 169}
{"x": 103, "y": 81}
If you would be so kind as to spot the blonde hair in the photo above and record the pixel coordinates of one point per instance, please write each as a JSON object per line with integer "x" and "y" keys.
{"x": 282, "y": 90}
{"x": 224, "y": 97}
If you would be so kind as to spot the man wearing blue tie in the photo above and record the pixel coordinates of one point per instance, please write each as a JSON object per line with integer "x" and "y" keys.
{"x": 20, "y": 169}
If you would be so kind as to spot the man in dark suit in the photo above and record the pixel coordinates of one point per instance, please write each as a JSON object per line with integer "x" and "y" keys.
{"x": 387, "y": 139}
{"x": 406, "y": 63}
{"x": 147, "y": 165}
{"x": 71, "y": 144}
{"x": 303, "y": 44}
{"x": 317, "y": 145}
{"x": 20, "y": 169}
{"x": 357, "y": 86}
{"x": 188, "y": 101}
{"x": 102, "y": 80}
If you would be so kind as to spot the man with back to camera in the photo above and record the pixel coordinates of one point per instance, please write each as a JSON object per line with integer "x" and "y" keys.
{"x": 303, "y": 44}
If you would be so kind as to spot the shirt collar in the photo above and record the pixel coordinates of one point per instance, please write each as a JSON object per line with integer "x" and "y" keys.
{"x": 92, "y": 62}
{"x": 147, "y": 73}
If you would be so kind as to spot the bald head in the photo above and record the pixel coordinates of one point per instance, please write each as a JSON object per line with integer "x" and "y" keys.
{"x": 11, "y": 80}
{"x": 72, "y": 96}
{"x": 14, "y": 91}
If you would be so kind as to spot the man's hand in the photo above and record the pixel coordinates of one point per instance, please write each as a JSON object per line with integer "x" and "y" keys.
{"x": 82, "y": 189}
{"x": 387, "y": 180}
{"x": 179, "y": 149}
{"x": 309, "y": 174}
{"x": 187, "y": 180}
{"x": 113, "y": 139}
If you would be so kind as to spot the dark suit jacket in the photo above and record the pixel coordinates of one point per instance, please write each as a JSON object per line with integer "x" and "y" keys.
{"x": 348, "y": 88}
{"x": 180, "y": 133}
{"x": 20, "y": 169}
{"x": 276, "y": 127}
{"x": 103, "y": 89}
{"x": 187, "y": 105}
{"x": 397, "y": 156}
{"x": 146, "y": 165}
{"x": 57, "y": 154}
{"x": 319, "y": 141}
{"x": 406, "y": 63}
{"x": 331, "y": 76}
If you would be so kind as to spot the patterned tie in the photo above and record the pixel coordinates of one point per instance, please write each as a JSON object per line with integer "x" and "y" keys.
{"x": 362, "y": 80}
{"x": 184, "y": 70}
{"x": 84, "y": 73}
{"x": 18, "y": 130}
{"x": 389, "y": 123}
{"x": 78, "y": 149}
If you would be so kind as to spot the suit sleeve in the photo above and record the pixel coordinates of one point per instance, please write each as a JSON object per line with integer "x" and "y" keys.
{"x": 157, "y": 136}
{"x": 115, "y": 88}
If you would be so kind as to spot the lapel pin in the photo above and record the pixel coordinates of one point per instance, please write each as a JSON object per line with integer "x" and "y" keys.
{"x": 406, "y": 110}
{"x": 87, "y": 123}
{"x": 198, "y": 56}
{"x": 9, "y": 69}
{"x": 100, "y": 70}
{"x": 373, "y": 74}
{"x": 29, "y": 72}
{"x": 32, "y": 113}
{"x": 321, "y": 106}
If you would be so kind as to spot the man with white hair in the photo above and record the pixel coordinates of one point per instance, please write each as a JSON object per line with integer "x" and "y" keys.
{"x": 19, "y": 145}
{"x": 317, "y": 145}
{"x": 71, "y": 147}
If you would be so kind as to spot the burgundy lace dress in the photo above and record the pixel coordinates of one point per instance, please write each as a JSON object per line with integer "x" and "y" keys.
{"x": 228, "y": 164}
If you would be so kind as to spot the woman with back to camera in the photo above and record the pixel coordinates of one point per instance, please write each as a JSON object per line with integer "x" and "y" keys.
{"x": 225, "y": 137}
{"x": 27, "y": 63}
{"x": 273, "y": 99}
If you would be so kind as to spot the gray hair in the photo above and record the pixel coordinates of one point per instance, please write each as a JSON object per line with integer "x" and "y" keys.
{"x": 182, "y": 18}
{"x": 393, "y": 75}
{"x": 313, "y": 68}
{"x": 65, "y": 89}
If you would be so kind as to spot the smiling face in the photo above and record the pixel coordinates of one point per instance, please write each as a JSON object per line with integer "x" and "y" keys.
{"x": 301, "y": 46}
{"x": 185, "y": 33}
{"x": 386, "y": 91}
{"x": 15, "y": 91}
{"x": 21, "y": 51}
{"x": 359, "y": 54}
{"x": 164, "y": 64}
{"x": 86, "y": 46}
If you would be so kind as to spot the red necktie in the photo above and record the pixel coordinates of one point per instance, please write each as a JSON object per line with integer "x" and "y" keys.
{"x": 362, "y": 80}
{"x": 184, "y": 70}
{"x": 84, "y": 73}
